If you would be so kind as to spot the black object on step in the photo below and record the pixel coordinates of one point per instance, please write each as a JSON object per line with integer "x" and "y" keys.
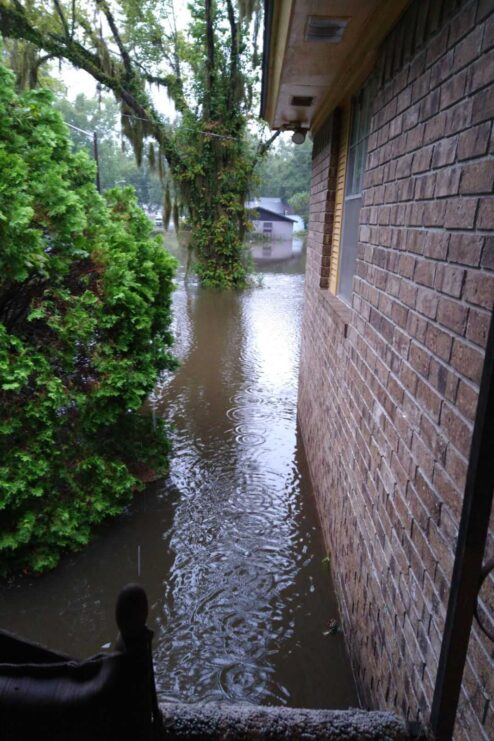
{"x": 47, "y": 695}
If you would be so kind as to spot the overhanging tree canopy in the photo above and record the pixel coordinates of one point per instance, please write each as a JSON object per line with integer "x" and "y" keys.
{"x": 209, "y": 72}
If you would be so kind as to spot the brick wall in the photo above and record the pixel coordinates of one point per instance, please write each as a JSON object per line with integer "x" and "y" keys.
{"x": 388, "y": 388}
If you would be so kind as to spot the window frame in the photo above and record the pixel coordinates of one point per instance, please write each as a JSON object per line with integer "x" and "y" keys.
{"x": 354, "y": 147}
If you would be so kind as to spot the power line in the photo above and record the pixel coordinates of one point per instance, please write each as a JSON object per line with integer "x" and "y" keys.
{"x": 188, "y": 128}
{"x": 94, "y": 136}
{"x": 82, "y": 131}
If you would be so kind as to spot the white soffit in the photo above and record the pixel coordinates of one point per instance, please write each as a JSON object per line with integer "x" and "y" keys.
{"x": 328, "y": 42}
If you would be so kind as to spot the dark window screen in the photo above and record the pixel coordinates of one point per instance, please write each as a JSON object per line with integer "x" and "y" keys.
{"x": 357, "y": 153}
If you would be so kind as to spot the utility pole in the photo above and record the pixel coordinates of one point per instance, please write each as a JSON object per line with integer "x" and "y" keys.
{"x": 94, "y": 137}
{"x": 96, "y": 157}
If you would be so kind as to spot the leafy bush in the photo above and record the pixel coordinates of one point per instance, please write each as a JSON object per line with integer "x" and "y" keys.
{"x": 85, "y": 294}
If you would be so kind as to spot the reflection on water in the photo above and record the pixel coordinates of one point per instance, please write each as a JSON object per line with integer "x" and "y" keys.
{"x": 230, "y": 549}
{"x": 279, "y": 255}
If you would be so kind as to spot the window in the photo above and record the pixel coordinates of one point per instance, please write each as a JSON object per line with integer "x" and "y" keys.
{"x": 357, "y": 154}
{"x": 267, "y": 227}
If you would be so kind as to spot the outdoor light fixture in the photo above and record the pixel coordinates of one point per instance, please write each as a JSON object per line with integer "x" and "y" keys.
{"x": 298, "y": 136}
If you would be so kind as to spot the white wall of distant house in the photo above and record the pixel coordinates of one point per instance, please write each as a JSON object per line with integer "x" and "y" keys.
{"x": 278, "y": 230}
{"x": 298, "y": 223}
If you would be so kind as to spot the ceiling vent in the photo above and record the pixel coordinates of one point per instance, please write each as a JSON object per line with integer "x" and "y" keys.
{"x": 322, "y": 28}
{"x": 302, "y": 101}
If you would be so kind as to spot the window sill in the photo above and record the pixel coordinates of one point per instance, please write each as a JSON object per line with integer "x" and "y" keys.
{"x": 339, "y": 312}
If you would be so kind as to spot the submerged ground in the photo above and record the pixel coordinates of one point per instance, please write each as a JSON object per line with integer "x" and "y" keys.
{"x": 228, "y": 547}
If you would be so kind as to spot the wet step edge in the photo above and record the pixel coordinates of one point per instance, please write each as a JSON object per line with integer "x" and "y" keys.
{"x": 227, "y": 721}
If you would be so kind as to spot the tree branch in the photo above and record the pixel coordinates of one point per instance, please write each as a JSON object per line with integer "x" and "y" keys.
{"x": 256, "y": 57}
{"x": 176, "y": 66}
{"x": 233, "y": 53}
{"x": 61, "y": 15}
{"x": 72, "y": 23}
{"x": 118, "y": 39}
{"x": 15, "y": 24}
{"x": 210, "y": 62}
{"x": 264, "y": 146}
{"x": 173, "y": 85}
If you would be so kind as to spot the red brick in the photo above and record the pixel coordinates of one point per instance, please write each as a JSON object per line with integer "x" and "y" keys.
{"x": 465, "y": 248}
{"x": 401, "y": 342}
{"x": 436, "y": 245}
{"x": 445, "y": 152}
{"x": 438, "y": 342}
{"x": 448, "y": 182}
{"x": 478, "y": 327}
{"x": 411, "y": 117}
{"x": 467, "y": 400}
{"x": 399, "y": 314}
{"x": 489, "y": 26}
{"x": 474, "y": 142}
{"x": 479, "y": 288}
{"x": 443, "y": 379}
{"x": 459, "y": 117}
{"x": 442, "y": 549}
{"x": 435, "y": 128}
{"x": 419, "y": 359}
{"x": 468, "y": 49}
{"x": 422, "y": 160}
{"x": 406, "y": 266}
{"x": 447, "y": 490}
{"x": 449, "y": 279}
{"x": 427, "y": 302}
{"x": 436, "y": 442}
{"x": 485, "y": 219}
{"x": 460, "y": 213}
{"x": 441, "y": 70}
{"x": 414, "y": 137}
{"x": 482, "y": 71}
{"x": 422, "y": 456}
{"x": 424, "y": 272}
{"x": 453, "y": 315}
{"x": 483, "y": 105}
{"x": 487, "y": 260}
{"x": 428, "y": 497}
{"x": 428, "y": 399}
{"x": 478, "y": 177}
{"x": 467, "y": 360}
{"x": 437, "y": 46}
{"x": 425, "y": 186}
{"x": 415, "y": 240}
{"x": 456, "y": 429}
{"x": 456, "y": 466}
{"x": 416, "y": 213}
{"x": 461, "y": 24}
{"x": 453, "y": 89}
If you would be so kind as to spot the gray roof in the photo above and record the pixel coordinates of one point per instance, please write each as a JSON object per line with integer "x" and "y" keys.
{"x": 276, "y": 216}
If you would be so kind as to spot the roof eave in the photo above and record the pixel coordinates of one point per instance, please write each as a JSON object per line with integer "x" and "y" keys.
{"x": 268, "y": 23}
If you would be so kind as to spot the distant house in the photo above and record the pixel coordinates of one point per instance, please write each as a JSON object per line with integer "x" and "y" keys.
{"x": 269, "y": 218}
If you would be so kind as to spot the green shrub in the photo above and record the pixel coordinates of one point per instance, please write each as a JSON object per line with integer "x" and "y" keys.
{"x": 85, "y": 294}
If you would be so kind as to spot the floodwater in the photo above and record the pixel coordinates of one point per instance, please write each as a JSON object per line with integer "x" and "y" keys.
{"x": 228, "y": 547}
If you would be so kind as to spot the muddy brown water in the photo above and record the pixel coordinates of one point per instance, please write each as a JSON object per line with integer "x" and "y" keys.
{"x": 228, "y": 547}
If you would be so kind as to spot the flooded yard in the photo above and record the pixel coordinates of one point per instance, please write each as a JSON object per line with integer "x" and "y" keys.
{"x": 228, "y": 547}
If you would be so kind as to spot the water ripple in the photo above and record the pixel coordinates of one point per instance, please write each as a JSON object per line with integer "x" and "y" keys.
{"x": 229, "y": 547}
{"x": 244, "y": 550}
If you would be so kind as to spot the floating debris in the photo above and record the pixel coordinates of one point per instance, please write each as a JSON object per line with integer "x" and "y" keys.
{"x": 334, "y": 627}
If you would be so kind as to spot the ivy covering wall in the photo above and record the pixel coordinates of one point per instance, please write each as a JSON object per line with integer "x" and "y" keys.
{"x": 85, "y": 296}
